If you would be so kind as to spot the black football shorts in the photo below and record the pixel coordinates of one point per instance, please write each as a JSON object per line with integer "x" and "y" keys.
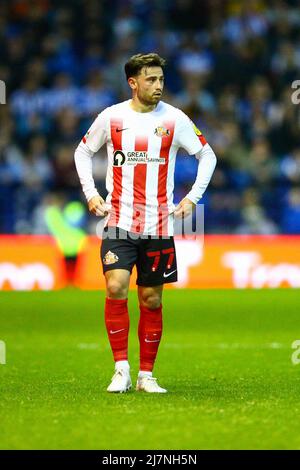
{"x": 154, "y": 257}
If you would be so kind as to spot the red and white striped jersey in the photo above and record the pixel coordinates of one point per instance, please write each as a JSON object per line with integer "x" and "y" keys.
{"x": 141, "y": 149}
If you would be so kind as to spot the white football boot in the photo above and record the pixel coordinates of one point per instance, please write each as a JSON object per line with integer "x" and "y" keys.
{"x": 120, "y": 382}
{"x": 149, "y": 384}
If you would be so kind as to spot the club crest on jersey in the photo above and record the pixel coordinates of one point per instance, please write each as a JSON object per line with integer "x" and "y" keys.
{"x": 110, "y": 258}
{"x": 161, "y": 131}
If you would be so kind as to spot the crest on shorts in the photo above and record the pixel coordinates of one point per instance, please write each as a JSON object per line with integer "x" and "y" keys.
{"x": 110, "y": 258}
{"x": 161, "y": 131}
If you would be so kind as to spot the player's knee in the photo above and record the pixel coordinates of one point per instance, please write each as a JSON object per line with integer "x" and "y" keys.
{"x": 116, "y": 289}
{"x": 151, "y": 301}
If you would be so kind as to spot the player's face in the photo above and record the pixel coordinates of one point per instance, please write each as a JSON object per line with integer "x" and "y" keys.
{"x": 149, "y": 85}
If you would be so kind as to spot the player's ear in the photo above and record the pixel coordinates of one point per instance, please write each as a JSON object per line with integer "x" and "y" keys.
{"x": 132, "y": 83}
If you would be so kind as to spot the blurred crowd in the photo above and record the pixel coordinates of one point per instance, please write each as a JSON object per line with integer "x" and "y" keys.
{"x": 230, "y": 67}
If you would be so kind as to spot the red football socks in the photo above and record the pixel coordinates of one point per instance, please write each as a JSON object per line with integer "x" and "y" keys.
{"x": 150, "y": 331}
{"x": 117, "y": 326}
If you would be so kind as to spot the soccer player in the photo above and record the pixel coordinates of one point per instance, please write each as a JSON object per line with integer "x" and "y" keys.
{"x": 142, "y": 136}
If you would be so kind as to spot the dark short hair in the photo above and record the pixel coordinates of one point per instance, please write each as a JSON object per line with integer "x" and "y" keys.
{"x": 135, "y": 64}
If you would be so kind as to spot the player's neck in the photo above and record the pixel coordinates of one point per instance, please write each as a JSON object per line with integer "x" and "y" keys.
{"x": 140, "y": 107}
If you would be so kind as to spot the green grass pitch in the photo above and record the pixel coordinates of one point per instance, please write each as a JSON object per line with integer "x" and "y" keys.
{"x": 225, "y": 358}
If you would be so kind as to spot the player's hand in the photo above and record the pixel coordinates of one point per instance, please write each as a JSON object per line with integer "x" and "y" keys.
{"x": 97, "y": 206}
{"x": 184, "y": 208}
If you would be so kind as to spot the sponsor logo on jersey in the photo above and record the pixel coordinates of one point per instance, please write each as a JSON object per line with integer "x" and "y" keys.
{"x": 119, "y": 158}
{"x": 121, "y": 130}
{"x": 110, "y": 258}
{"x": 161, "y": 131}
{"x": 135, "y": 157}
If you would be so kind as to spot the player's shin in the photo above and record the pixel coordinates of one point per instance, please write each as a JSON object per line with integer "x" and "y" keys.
{"x": 117, "y": 326}
{"x": 150, "y": 331}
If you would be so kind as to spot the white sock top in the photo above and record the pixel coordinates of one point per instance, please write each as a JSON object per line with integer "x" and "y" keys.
{"x": 145, "y": 373}
{"x": 122, "y": 365}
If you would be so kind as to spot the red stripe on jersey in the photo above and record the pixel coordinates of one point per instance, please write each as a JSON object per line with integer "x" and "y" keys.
{"x": 202, "y": 139}
{"x": 84, "y": 140}
{"x": 139, "y": 188}
{"x": 166, "y": 142}
{"x": 116, "y": 138}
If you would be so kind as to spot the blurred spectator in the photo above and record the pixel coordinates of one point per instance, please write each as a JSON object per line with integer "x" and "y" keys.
{"x": 246, "y": 21}
{"x": 254, "y": 219}
{"x": 11, "y": 174}
{"x": 290, "y": 166}
{"x": 291, "y": 213}
{"x": 194, "y": 59}
{"x": 64, "y": 169}
{"x": 65, "y": 127}
{"x": 37, "y": 170}
{"x": 95, "y": 95}
{"x": 195, "y": 95}
{"x": 262, "y": 166}
{"x": 62, "y": 94}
